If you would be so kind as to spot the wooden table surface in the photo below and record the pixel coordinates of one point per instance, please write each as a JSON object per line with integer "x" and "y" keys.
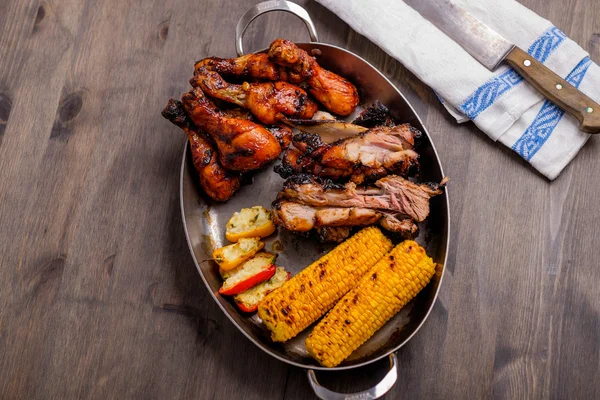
{"x": 101, "y": 299}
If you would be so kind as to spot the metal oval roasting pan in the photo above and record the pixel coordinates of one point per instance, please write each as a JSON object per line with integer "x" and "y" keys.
{"x": 204, "y": 223}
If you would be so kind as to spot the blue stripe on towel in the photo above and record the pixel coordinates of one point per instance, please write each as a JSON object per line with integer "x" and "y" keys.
{"x": 490, "y": 91}
{"x": 546, "y": 44}
{"x": 548, "y": 118}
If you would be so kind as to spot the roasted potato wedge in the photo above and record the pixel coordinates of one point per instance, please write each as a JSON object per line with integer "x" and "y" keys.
{"x": 230, "y": 256}
{"x": 248, "y": 301}
{"x": 249, "y": 222}
{"x": 249, "y": 274}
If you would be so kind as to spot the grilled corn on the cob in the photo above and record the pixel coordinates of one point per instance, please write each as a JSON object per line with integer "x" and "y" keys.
{"x": 308, "y": 295}
{"x": 380, "y": 294}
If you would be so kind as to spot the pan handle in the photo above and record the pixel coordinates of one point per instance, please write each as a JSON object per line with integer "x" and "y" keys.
{"x": 373, "y": 393}
{"x": 268, "y": 6}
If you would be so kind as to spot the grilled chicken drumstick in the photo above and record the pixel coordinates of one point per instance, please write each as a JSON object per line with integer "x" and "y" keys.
{"x": 281, "y": 131}
{"x": 337, "y": 94}
{"x": 218, "y": 183}
{"x": 249, "y": 66}
{"x": 287, "y": 62}
{"x": 268, "y": 101}
{"x": 243, "y": 145}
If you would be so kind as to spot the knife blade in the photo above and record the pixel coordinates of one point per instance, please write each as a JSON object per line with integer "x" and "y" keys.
{"x": 491, "y": 49}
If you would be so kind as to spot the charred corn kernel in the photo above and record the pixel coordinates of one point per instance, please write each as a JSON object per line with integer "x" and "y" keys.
{"x": 308, "y": 295}
{"x": 379, "y": 295}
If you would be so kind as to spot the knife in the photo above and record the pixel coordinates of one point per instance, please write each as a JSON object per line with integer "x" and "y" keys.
{"x": 491, "y": 49}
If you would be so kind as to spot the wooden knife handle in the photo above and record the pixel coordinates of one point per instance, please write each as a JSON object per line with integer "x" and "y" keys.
{"x": 557, "y": 90}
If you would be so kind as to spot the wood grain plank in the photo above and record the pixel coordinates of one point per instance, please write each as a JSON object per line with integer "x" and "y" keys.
{"x": 32, "y": 289}
{"x": 102, "y": 300}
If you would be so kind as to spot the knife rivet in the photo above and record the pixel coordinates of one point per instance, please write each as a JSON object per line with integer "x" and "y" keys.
{"x": 527, "y": 63}
{"x": 558, "y": 86}
{"x": 589, "y": 110}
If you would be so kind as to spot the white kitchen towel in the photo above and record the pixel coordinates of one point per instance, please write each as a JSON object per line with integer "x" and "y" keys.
{"x": 500, "y": 103}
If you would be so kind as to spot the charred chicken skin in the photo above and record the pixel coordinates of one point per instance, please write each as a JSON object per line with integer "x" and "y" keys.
{"x": 218, "y": 183}
{"x": 287, "y": 62}
{"x": 243, "y": 145}
{"x": 270, "y": 102}
{"x": 282, "y": 133}
{"x": 337, "y": 94}
{"x": 249, "y": 66}
{"x": 375, "y": 115}
{"x": 361, "y": 158}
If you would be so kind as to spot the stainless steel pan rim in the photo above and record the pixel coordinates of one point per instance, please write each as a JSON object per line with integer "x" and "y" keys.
{"x": 183, "y": 165}
{"x": 388, "y": 381}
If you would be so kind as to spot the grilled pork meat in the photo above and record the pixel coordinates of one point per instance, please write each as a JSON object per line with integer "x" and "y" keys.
{"x": 309, "y": 203}
{"x": 337, "y": 94}
{"x": 299, "y": 217}
{"x": 243, "y": 145}
{"x": 302, "y": 218}
{"x": 395, "y": 223}
{"x": 295, "y": 217}
{"x": 268, "y": 101}
{"x": 351, "y": 216}
{"x": 333, "y": 234}
{"x": 365, "y": 157}
{"x": 392, "y": 193}
{"x": 218, "y": 183}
